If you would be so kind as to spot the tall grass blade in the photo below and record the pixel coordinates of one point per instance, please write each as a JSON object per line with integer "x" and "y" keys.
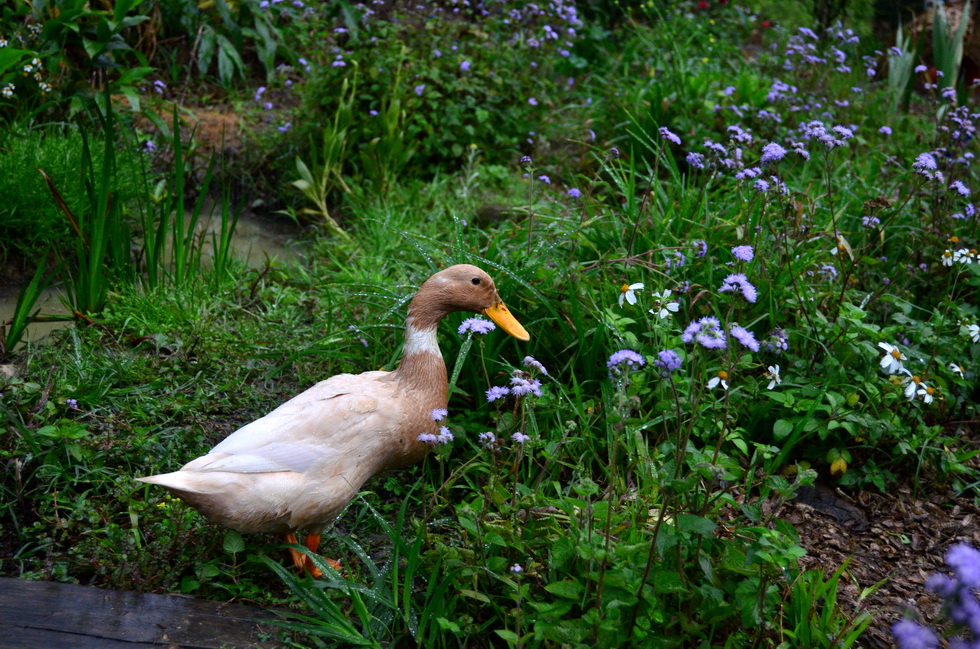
{"x": 27, "y": 297}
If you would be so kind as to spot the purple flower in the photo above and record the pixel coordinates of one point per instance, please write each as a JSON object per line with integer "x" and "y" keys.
{"x": 965, "y": 561}
{"x": 885, "y": 130}
{"x": 519, "y": 437}
{"x": 706, "y": 332}
{"x": 419, "y": 89}
{"x": 530, "y": 361}
{"x": 258, "y": 93}
{"x": 149, "y": 146}
{"x": 532, "y": 101}
{"x": 772, "y": 152}
{"x": 516, "y": 569}
{"x": 960, "y": 188}
{"x": 777, "y": 341}
{"x": 444, "y": 435}
{"x": 464, "y": 66}
{"x": 285, "y": 127}
{"x": 761, "y": 185}
{"x": 702, "y": 247}
{"x": 574, "y": 193}
{"x": 909, "y": 635}
{"x": 71, "y": 403}
{"x": 525, "y": 159}
{"x": 544, "y": 179}
{"x": 521, "y": 387}
{"x": 670, "y": 137}
{"x": 924, "y": 162}
{"x": 304, "y": 63}
{"x": 744, "y": 336}
{"x": 668, "y": 361}
{"x": 743, "y": 253}
{"x": 738, "y": 281}
{"x": 159, "y": 86}
{"x": 476, "y": 325}
{"x": 428, "y": 438}
{"x": 487, "y": 438}
{"x": 695, "y": 160}
{"x": 729, "y": 91}
{"x": 436, "y": 53}
{"x": 497, "y": 392}
{"x": 625, "y": 358}
{"x": 438, "y": 414}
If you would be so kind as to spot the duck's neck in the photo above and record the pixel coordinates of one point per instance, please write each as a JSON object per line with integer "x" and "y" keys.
{"x": 422, "y": 366}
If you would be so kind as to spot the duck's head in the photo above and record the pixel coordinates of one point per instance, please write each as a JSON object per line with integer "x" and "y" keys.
{"x": 464, "y": 288}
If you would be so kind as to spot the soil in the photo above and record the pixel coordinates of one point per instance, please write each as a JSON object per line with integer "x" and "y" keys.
{"x": 893, "y": 541}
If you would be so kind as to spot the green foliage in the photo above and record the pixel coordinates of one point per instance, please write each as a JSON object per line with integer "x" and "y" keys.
{"x": 223, "y": 35}
{"x": 55, "y": 47}
{"x": 718, "y": 323}
{"x": 29, "y": 220}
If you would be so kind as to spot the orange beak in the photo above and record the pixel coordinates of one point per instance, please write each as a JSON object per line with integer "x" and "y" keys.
{"x": 502, "y": 316}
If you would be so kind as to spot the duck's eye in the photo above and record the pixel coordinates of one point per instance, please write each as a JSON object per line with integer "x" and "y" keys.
{"x": 475, "y": 280}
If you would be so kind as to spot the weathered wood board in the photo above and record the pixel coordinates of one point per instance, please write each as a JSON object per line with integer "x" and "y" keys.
{"x": 36, "y": 614}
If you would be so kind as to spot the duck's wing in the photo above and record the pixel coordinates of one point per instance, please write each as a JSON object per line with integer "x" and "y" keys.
{"x": 322, "y": 424}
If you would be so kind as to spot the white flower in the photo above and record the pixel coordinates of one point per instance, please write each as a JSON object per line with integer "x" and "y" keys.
{"x": 973, "y": 332}
{"x": 721, "y": 379}
{"x": 956, "y": 369}
{"x": 965, "y": 256}
{"x": 911, "y": 384}
{"x": 662, "y": 305}
{"x": 925, "y": 392}
{"x": 774, "y": 377}
{"x": 627, "y": 292}
{"x": 891, "y": 362}
{"x": 947, "y": 258}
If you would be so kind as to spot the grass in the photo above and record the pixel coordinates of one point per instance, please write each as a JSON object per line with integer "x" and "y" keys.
{"x": 627, "y": 504}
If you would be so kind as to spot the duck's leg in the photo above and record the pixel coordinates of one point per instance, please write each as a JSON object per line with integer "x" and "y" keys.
{"x": 312, "y": 543}
{"x": 299, "y": 559}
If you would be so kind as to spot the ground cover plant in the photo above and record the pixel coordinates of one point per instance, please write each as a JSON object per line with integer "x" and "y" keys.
{"x": 739, "y": 281}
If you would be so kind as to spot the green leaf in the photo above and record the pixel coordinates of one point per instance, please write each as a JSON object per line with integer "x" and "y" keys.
{"x": 509, "y": 636}
{"x": 9, "y": 57}
{"x": 234, "y": 543}
{"x": 782, "y": 428}
{"x": 697, "y": 524}
{"x": 566, "y": 589}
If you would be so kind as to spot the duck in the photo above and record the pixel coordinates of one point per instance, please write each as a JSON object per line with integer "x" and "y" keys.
{"x": 299, "y": 466}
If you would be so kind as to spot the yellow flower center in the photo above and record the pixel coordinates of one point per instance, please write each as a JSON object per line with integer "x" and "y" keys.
{"x": 723, "y": 375}
{"x": 896, "y": 354}
{"x": 624, "y": 288}
{"x": 947, "y": 254}
{"x": 931, "y": 391}
{"x": 916, "y": 380}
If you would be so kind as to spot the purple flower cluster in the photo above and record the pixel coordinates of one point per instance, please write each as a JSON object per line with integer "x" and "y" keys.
{"x": 530, "y": 361}
{"x": 666, "y": 134}
{"x": 625, "y": 359}
{"x": 668, "y": 361}
{"x": 772, "y": 152}
{"x": 706, "y": 332}
{"x": 497, "y": 392}
{"x": 745, "y": 337}
{"x": 961, "y": 603}
{"x": 743, "y": 253}
{"x": 738, "y": 282}
{"x": 777, "y": 341}
{"x": 476, "y": 325}
{"x": 521, "y": 386}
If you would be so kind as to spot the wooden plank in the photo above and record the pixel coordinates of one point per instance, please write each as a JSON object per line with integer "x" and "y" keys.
{"x": 48, "y": 614}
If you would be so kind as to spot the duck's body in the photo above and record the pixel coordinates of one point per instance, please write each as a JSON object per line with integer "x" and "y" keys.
{"x": 298, "y": 467}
